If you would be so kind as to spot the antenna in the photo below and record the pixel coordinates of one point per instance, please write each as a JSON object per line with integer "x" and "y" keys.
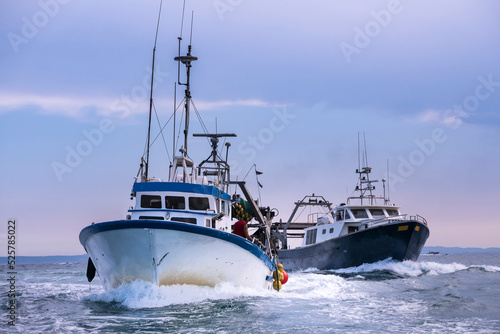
{"x": 186, "y": 60}
{"x": 151, "y": 94}
{"x": 388, "y": 185}
{"x": 182, "y": 19}
{"x": 359, "y": 161}
{"x": 366, "y": 153}
{"x": 175, "y": 111}
{"x": 191, "y": 34}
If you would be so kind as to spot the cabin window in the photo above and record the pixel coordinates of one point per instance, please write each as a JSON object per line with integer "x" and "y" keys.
{"x": 324, "y": 231}
{"x": 184, "y": 220}
{"x": 339, "y": 215}
{"x": 150, "y": 201}
{"x": 352, "y": 229}
{"x": 331, "y": 230}
{"x": 346, "y": 215}
{"x": 225, "y": 207}
{"x": 359, "y": 213}
{"x": 377, "y": 212}
{"x": 151, "y": 217}
{"x": 393, "y": 212}
{"x": 175, "y": 202}
{"x": 311, "y": 236}
{"x": 198, "y": 203}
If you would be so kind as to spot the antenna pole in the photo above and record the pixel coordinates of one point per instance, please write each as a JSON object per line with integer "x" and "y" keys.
{"x": 366, "y": 153}
{"x": 151, "y": 95}
{"x": 388, "y": 184}
{"x": 175, "y": 110}
{"x": 186, "y": 60}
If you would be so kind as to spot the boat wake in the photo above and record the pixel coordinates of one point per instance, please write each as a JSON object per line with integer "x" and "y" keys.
{"x": 311, "y": 284}
{"x": 141, "y": 294}
{"x": 390, "y": 269}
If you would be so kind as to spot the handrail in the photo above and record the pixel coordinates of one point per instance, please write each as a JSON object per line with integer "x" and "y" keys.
{"x": 373, "y": 222}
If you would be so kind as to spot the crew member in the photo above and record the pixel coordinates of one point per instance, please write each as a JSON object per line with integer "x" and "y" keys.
{"x": 241, "y": 228}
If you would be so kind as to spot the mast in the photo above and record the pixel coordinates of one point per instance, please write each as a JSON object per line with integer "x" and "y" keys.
{"x": 186, "y": 60}
{"x": 145, "y": 176}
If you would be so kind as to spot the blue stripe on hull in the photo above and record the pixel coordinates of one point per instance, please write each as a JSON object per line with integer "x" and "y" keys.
{"x": 169, "y": 225}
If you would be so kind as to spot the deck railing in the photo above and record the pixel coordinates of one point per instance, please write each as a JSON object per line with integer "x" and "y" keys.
{"x": 395, "y": 219}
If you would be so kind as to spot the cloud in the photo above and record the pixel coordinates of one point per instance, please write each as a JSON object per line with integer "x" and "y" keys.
{"x": 56, "y": 105}
{"x": 442, "y": 117}
{"x": 211, "y": 105}
{"x": 122, "y": 107}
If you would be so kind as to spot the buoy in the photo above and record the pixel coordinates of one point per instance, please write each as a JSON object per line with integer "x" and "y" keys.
{"x": 280, "y": 276}
{"x": 285, "y": 277}
{"x": 277, "y": 285}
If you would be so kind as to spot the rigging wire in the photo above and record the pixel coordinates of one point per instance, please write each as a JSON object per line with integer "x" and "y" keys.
{"x": 199, "y": 117}
{"x": 161, "y": 132}
{"x": 203, "y": 126}
{"x": 180, "y": 122}
{"x": 301, "y": 212}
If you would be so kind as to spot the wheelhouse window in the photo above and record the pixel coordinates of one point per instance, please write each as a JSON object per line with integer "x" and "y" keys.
{"x": 175, "y": 202}
{"x": 359, "y": 213}
{"x": 377, "y": 212}
{"x": 331, "y": 229}
{"x": 339, "y": 215}
{"x": 311, "y": 236}
{"x": 184, "y": 220}
{"x": 151, "y": 217}
{"x": 198, "y": 203}
{"x": 225, "y": 207}
{"x": 342, "y": 214}
{"x": 392, "y": 212}
{"x": 151, "y": 201}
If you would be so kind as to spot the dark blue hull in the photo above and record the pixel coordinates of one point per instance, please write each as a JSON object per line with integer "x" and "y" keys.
{"x": 399, "y": 241}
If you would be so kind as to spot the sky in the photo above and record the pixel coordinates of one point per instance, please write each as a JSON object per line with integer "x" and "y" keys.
{"x": 297, "y": 82}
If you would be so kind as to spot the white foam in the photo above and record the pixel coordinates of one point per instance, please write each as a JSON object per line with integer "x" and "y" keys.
{"x": 493, "y": 269}
{"x": 406, "y": 268}
{"x": 140, "y": 294}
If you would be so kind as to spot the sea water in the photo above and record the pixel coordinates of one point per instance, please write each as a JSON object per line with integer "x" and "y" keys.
{"x": 457, "y": 293}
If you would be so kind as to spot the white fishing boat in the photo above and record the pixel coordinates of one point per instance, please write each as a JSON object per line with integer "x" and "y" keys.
{"x": 366, "y": 229}
{"x": 179, "y": 231}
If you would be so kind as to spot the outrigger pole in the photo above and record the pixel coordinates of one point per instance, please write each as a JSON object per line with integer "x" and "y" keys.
{"x": 151, "y": 97}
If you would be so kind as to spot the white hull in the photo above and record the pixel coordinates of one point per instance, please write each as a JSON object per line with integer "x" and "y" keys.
{"x": 166, "y": 253}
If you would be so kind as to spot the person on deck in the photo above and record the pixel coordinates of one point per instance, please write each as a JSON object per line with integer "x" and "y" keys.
{"x": 241, "y": 228}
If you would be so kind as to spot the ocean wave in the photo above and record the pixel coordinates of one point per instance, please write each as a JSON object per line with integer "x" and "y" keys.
{"x": 493, "y": 269}
{"x": 405, "y": 268}
{"x": 141, "y": 294}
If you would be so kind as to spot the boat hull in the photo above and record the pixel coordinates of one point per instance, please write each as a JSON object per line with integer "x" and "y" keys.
{"x": 167, "y": 253}
{"x": 400, "y": 241}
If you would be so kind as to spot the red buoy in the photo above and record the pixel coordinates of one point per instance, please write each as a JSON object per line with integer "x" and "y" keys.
{"x": 285, "y": 277}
